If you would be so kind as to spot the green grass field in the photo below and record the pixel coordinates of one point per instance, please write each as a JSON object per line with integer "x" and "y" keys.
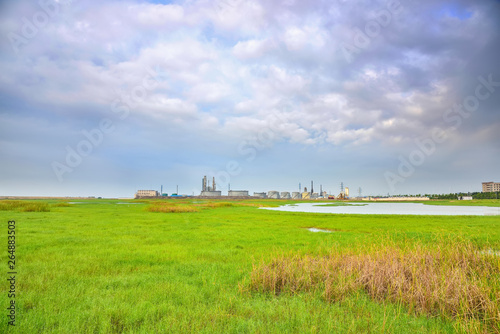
{"x": 197, "y": 266}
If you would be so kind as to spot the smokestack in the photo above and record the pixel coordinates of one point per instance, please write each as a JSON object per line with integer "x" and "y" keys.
{"x": 312, "y": 190}
{"x": 213, "y": 184}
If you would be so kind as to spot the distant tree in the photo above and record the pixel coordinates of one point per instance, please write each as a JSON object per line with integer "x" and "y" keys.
{"x": 490, "y": 195}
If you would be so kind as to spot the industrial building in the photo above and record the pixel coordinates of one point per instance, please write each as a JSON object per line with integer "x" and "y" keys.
{"x": 237, "y": 193}
{"x": 489, "y": 187}
{"x": 216, "y": 193}
{"x": 207, "y": 190}
{"x": 146, "y": 193}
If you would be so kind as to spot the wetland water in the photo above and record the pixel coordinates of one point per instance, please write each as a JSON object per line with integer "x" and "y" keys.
{"x": 390, "y": 209}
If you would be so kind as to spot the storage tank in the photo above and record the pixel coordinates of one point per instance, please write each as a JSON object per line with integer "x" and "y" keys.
{"x": 238, "y": 193}
{"x": 261, "y": 195}
{"x": 285, "y": 195}
{"x": 273, "y": 194}
{"x": 306, "y": 195}
{"x": 296, "y": 195}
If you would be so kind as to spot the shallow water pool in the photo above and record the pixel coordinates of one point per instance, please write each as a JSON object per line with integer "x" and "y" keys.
{"x": 390, "y": 209}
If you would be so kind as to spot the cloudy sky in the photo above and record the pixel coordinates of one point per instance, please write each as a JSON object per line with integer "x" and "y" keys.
{"x": 101, "y": 98}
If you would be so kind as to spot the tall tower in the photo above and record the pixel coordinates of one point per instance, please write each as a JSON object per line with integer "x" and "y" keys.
{"x": 204, "y": 184}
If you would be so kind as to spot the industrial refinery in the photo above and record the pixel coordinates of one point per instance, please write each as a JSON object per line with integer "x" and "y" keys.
{"x": 209, "y": 190}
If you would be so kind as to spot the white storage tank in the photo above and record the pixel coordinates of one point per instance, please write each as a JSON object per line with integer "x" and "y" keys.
{"x": 273, "y": 194}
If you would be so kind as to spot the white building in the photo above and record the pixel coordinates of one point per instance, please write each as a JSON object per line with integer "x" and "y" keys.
{"x": 146, "y": 193}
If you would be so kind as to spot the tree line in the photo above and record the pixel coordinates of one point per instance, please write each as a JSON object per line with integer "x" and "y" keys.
{"x": 475, "y": 195}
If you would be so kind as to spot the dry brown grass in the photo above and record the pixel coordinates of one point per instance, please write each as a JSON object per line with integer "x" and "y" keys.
{"x": 168, "y": 207}
{"x": 186, "y": 206}
{"x": 255, "y": 205}
{"x": 183, "y": 206}
{"x": 450, "y": 279}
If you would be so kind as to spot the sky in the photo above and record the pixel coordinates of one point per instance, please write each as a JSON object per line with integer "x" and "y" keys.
{"x": 102, "y": 98}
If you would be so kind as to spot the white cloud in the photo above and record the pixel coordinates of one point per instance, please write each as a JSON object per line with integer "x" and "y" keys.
{"x": 297, "y": 39}
{"x": 158, "y": 15}
{"x": 209, "y": 92}
{"x": 252, "y": 49}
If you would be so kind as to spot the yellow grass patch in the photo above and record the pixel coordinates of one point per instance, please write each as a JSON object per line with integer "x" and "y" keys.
{"x": 452, "y": 280}
{"x": 167, "y": 207}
